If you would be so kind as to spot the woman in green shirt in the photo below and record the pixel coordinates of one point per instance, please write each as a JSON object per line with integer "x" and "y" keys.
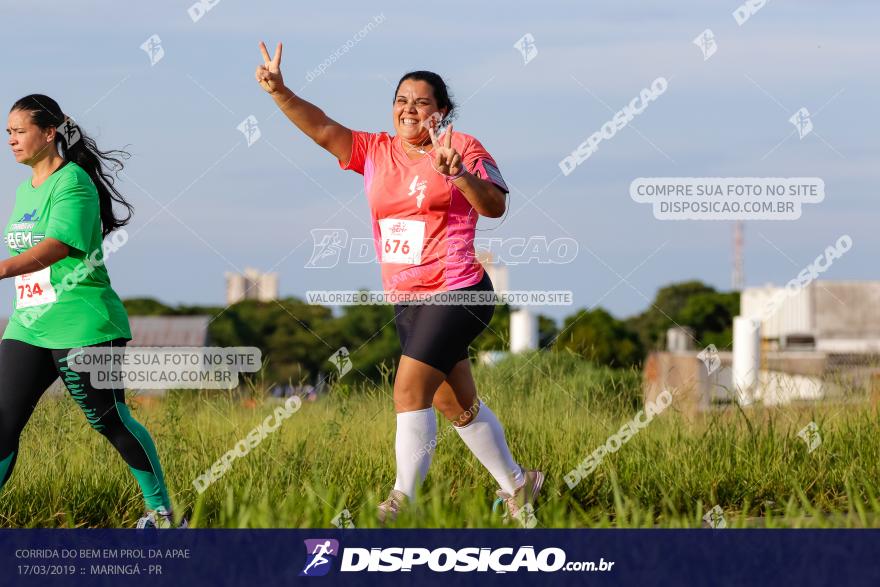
{"x": 63, "y": 297}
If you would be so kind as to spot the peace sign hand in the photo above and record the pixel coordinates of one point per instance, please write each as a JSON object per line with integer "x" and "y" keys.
{"x": 446, "y": 159}
{"x": 269, "y": 73}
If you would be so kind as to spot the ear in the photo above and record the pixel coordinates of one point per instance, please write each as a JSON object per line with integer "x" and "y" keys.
{"x": 50, "y": 134}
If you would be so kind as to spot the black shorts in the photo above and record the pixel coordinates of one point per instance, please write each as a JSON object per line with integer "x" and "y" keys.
{"x": 440, "y": 335}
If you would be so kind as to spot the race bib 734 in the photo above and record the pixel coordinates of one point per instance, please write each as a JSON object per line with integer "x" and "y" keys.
{"x": 34, "y": 289}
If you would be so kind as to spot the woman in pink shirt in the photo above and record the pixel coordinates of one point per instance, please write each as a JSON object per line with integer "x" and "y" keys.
{"x": 426, "y": 192}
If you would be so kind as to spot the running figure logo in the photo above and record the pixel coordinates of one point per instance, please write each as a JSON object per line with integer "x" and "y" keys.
{"x": 317, "y": 561}
{"x": 250, "y": 129}
{"x": 327, "y": 245}
{"x": 714, "y": 518}
{"x": 710, "y": 358}
{"x": 70, "y": 131}
{"x": 706, "y": 42}
{"x": 153, "y": 48}
{"x": 810, "y": 435}
{"x": 29, "y": 216}
{"x": 419, "y": 186}
{"x": 341, "y": 361}
{"x": 527, "y": 48}
{"x": 802, "y": 122}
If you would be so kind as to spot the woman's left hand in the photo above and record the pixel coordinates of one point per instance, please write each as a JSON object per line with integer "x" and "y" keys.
{"x": 446, "y": 159}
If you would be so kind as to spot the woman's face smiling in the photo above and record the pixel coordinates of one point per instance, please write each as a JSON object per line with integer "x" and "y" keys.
{"x": 413, "y": 106}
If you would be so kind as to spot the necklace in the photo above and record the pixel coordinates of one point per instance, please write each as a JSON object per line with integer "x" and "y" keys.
{"x": 417, "y": 148}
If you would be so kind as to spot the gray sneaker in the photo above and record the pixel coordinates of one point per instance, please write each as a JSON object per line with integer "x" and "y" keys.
{"x": 521, "y": 505}
{"x": 159, "y": 518}
{"x": 388, "y": 509}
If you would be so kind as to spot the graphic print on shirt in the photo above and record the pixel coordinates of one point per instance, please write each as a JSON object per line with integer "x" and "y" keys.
{"x": 35, "y": 288}
{"x": 444, "y": 220}
{"x": 69, "y": 303}
{"x": 21, "y": 236}
{"x": 420, "y": 186}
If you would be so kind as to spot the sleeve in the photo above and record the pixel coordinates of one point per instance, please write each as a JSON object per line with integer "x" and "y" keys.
{"x": 361, "y": 144}
{"x": 74, "y": 210}
{"x": 479, "y": 162}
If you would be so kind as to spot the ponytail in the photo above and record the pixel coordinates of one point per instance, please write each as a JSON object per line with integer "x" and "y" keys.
{"x": 74, "y": 145}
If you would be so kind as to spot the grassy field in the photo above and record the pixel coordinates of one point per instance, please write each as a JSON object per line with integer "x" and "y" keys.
{"x": 338, "y": 453}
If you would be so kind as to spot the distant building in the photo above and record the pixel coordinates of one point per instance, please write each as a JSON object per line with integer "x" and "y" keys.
{"x": 818, "y": 342}
{"x": 169, "y": 331}
{"x": 832, "y": 316}
{"x": 162, "y": 330}
{"x": 155, "y": 331}
{"x": 251, "y": 285}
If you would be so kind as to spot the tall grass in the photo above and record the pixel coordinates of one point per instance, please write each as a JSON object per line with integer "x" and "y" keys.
{"x": 338, "y": 453}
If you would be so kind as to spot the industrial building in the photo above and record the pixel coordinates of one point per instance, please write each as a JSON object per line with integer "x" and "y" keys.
{"x": 818, "y": 342}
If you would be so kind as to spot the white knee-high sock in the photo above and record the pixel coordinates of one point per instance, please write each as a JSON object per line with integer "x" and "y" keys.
{"x": 414, "y": 446}
{"x": 485, "y": 437}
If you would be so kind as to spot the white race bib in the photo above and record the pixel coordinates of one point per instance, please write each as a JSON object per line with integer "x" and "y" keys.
{"x": 402, "y": 240}
{"x": 34, "y": 289}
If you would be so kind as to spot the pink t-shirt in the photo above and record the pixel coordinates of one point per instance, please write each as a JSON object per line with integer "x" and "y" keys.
{"x": 423, "y": 226}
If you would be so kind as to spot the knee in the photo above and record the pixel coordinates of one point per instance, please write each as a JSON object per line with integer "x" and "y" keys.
{"x": 408, "y": 398}
{"x": 454, "y": 413}
{"x": 450, "y": 409}
{"x": 109, "y": 424}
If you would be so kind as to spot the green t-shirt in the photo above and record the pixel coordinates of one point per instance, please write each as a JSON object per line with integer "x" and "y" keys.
{"x": 69, "y": 303}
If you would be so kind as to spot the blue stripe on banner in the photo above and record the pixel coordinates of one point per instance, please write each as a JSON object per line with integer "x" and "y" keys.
{"x": 440, "y": 557}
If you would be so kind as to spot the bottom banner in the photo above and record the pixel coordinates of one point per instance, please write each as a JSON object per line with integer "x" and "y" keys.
{"x": 462, "y": 557}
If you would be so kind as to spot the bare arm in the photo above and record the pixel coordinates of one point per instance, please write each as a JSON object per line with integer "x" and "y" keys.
{"x": 485, "y": 197}
{"x": 48, "y": 251}
{"x": 307, "y": 117}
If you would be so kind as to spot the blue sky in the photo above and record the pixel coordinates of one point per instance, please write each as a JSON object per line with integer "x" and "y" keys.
{"x": 236, "y": 206}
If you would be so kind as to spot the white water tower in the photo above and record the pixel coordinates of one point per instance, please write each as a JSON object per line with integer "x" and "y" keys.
{"x": 746, "y": 358}
{"x": 523, "y": 330}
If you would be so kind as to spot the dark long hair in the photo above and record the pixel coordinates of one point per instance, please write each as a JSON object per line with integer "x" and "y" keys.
{"x": 441, "y": 92}
{"x": 444, "y": 100}
{"x": 102, "y": 166}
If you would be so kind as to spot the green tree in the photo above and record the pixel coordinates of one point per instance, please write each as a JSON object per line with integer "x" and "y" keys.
{"x": 147, "y": 307}
{"x": 690, "y": 303}
{"x": 369, "y": 334}
{"x": 599, "y": 337}
{"x": 711, "y": 317}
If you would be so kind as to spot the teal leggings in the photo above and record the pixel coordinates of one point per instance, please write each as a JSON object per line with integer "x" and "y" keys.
{"x": 26, "y": 371}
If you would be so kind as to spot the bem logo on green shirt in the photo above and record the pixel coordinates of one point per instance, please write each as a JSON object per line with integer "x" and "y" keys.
{"x": 71, "y": 302}
{"x": 21, "y": 234}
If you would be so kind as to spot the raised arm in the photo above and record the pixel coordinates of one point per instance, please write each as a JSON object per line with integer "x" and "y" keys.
{"x": 307, "y": 117}
{"x": 485, "y": 197}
